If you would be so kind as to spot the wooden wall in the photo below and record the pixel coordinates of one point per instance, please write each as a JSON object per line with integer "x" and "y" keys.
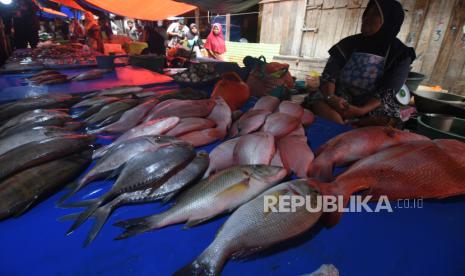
{"x": 435, "y": 28}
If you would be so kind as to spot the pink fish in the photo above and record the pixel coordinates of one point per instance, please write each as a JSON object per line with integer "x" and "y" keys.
{"x": 296, "y": 155}
{"x": 355, "y": 145}
{"x": 255, "y": 149}
{"x": 280, "y": 124}
{"x": 269, "y": 103}
{"x": 251, "y": 121}
{"x": 291, "y": 108}
{"x": 221, "y": 115}
{"x": 186, "y": 125}
{"x": 202, "y": 137}
{"x": 182, "y": 109}
{"x": 222, "y": 156}
{"x": 307, "y": 118}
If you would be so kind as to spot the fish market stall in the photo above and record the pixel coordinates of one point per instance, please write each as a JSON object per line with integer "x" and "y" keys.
{"x": 427, "y": 239}
{"x": 17, "y": 86}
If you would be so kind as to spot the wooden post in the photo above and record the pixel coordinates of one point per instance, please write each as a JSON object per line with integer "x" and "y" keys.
{"x": 197, "y": 18}
{"x": 228, "y": 26}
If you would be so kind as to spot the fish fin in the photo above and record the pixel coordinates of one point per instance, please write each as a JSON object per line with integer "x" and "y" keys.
{"x": 138, "y": 225}
{"x": 78, "y": 204}
{"x": 101, "y": 216}
{"x": 75, "y": 188}
{"x": 195, "y": 222}
{"x": 72, "y": 216}
{"x": 195, "y": 268}
{"x": 85, "y": 215}
{"x": 244, "y": 253}
{"x": 234, "y": 190}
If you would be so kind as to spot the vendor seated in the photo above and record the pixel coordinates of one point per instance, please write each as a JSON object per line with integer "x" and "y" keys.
{"x": 365, "y": 72}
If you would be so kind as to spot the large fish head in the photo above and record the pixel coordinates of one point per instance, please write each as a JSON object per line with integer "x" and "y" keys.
{"x": 269, "y": 174}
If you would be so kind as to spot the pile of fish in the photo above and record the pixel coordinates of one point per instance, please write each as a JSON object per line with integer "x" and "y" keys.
{"x": 152, "y": 158}
{"x": 185, "y": 114}
{"x": 47, "y": 77}
{"x": 40, "y": 152}
{"x": 271, "y": 133}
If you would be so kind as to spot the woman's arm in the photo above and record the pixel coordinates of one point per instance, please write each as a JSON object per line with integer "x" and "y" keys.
{"x": 328, "y": 83}
{"x": 391, "y": 84}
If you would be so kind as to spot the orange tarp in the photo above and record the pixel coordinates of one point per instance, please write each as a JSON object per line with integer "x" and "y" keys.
{"x": 52, "y": 11}
{"x": 143, "y": 9}
{"x": 69, "y": 3}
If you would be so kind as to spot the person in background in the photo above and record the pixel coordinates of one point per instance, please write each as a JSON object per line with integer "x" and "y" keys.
{"x": 154, "y": 36}
{"x": 131, "y": 30}
{"x": 76, "y": 30}
{"x": 193, "y": 40}
{"x": 93, "y": 32}
{"x": 105, "y": 26}
{"x": 176, "y": 32}
{"x": 365, "y": 72}
{"x": 215, "y": 43}
{"x": 26, "y": 25}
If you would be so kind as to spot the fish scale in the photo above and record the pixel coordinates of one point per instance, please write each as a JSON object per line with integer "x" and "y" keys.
{"x": 184, "y": 177}
{"x": 150, "y": 168}
{"x": 249, "y": 229}
{"x": 215, "y": 195}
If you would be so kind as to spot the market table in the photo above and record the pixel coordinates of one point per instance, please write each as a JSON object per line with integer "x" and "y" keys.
{"x": 422, "y": 241}
{"x": 14, "y": 86}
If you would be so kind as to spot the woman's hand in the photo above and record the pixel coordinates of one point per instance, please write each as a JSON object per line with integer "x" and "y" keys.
{"x": 338, "y": 104}
{"x": 353, "y": 112}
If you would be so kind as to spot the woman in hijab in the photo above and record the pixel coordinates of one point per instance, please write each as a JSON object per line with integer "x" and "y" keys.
{"x": 365, "y": 72}
{"x": 93, "y": 33}
{"x": 215, "y": 44}
{"x": 193, "y": 40}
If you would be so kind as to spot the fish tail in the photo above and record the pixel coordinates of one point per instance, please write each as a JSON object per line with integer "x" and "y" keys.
{"x": 75, "y": 186}
{"x": 101, "y": 216}
{"x": 208, "y": 263}
{"x": 72, "y": 216}
{"x": 139, "y": 225}
{"x": 77, "y": 204}
{"x": 85, "y": 215}
{"x": 335, "y": 189}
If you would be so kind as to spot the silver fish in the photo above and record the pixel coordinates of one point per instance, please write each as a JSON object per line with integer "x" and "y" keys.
{"x": 218, "y": 194}
{"x": 151, "y": 128}
{"x": 36, "y": 134}
{"x": 129, "y": 119}
{"x": 250, "y": 229}
{"x": 192, "y": 172}
{"x": 150, "y": 169}
{"x": 118, "y": 156}
{"x": 36, "y": 153}
{"x": 111, "y": 109}
{"x": 115, "y": 91}
{"x": 38, "y": 115}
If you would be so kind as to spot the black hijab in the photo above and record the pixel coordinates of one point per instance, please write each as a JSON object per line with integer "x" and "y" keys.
{"x": 392, "y": 15}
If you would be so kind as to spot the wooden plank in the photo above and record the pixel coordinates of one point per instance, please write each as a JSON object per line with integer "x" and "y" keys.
{"x": 266, "y": 26}
{"x": 450, "y": 44}
{"x": 451, "y": 61}
{"x": 353, "y": 13}
{"x": 296, "y": 39}
{"x": 418, "y": 17}
{"x": 287, "y": 20}
{"x": 432, "y": 35}
{"x": 328, "y": 29}
{"x": 431, "y": 55}
{"x": 228, "y": 26}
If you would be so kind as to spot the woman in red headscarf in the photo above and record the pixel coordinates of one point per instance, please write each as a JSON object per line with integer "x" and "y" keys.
{"x": 215, "y": 44}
